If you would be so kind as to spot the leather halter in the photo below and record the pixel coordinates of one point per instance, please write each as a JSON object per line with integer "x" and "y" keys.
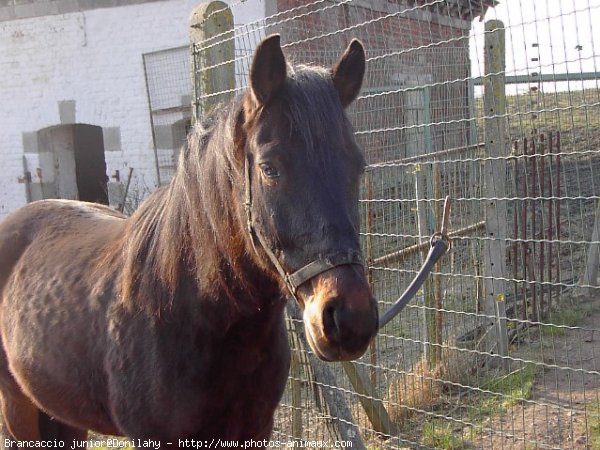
{"x": 295, "y": 279}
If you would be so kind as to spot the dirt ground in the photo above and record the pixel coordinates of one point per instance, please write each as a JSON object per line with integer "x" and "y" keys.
{"x": 564, "y": 409}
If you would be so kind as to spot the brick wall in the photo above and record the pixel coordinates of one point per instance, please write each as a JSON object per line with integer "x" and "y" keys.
{"x": 421, "y": 48}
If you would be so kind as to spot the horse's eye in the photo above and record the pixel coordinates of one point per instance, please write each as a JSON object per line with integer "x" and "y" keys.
{"x": 269, "y": 171}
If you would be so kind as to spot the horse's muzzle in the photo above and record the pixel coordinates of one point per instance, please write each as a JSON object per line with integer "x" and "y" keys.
{"x": 340, "y": 313}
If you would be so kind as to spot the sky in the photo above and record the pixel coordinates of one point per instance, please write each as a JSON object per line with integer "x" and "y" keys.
{"x": 567, "y": 34}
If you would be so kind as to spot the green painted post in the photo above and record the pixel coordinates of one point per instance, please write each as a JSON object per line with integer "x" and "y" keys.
{"x": 472, "y": 112}
{"x": 426, "y": 223}
{"x": 427, "y": 120}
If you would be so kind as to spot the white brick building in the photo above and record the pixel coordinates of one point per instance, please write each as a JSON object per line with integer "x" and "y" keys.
{"x": 73, "y": 89}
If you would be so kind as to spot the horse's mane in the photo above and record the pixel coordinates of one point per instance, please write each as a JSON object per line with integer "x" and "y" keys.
{"x": 183, "y": 231}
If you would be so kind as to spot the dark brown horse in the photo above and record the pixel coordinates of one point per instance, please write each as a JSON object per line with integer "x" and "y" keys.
{"x": 169, "y": 324}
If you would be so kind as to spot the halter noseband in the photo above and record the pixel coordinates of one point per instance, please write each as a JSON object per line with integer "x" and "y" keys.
{"x": 302, "y": 275}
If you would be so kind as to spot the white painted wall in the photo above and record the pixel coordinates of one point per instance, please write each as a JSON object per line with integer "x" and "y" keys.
{"x": 95, "y": 58}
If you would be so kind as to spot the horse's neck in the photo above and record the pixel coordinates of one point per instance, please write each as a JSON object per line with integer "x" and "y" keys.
{"x": 226, "y": 269}
{"x": 196, "y": 249}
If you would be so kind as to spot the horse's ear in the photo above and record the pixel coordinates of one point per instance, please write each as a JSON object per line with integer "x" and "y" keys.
{"x": 268, "y": 71}
{"x": 349, "y": 71}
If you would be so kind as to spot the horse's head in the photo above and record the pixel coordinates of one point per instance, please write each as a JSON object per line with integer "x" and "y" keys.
{"x": 302, "y": 174}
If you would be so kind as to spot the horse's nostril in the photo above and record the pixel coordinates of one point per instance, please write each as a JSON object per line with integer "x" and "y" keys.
{"x": 331, "y": 320}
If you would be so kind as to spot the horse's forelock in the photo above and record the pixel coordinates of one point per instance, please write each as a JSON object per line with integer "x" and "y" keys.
{"x": 315, "y": 110}
{"x": 310, "y": 105}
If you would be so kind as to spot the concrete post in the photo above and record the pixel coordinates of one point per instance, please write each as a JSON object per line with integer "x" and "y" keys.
{"x": 495, "y": 186}
{"x": 212, "y": 56}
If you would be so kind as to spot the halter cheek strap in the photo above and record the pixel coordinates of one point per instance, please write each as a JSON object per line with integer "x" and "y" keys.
{"x": 295, "y": 279}
{"x": 440, "y": 243}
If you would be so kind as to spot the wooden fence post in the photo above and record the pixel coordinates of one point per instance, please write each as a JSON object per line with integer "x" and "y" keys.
{"x": 495, "y": 186}
{"x": 212, "y": 56}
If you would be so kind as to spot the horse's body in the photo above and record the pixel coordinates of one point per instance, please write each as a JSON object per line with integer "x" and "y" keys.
{"x": 128, "y": 383}
{"x": 169, "y": 324}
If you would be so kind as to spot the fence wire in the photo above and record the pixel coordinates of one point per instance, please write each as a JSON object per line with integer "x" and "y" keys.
{"x": 168, "y": 82}
{"x": 499, "y": 349}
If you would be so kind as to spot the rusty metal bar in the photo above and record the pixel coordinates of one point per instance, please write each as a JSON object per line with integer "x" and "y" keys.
{"x": 542, "y": 169}
{"x": 549, "y": 205}
{"x": 515, "y": 210}
{"x": 369, "y": 244}
{"x": 533, "y": 194}
{"x": 524, "y": 243}
{"x": 557, "y": 204}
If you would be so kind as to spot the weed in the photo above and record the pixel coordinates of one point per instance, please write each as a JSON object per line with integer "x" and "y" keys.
{"x": 566, "y": 317}
{"x": 440, "y": 435}
{"x": 593, "y": 411}
{"x": 513, "y": 387}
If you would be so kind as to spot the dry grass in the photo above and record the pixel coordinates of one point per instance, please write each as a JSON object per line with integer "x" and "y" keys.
{"x": 424, "y": 387}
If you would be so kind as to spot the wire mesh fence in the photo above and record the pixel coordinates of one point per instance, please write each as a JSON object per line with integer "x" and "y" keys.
{"x": 167, "y": 74}
{"x": 499, "y": 350}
